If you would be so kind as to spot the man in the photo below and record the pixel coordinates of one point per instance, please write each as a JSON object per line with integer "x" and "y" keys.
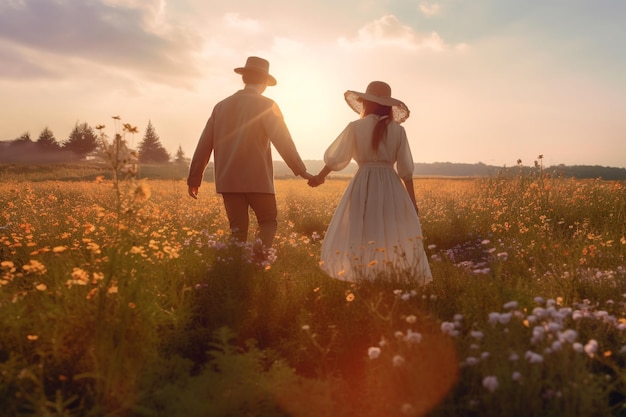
{"x": 240, "y": 132}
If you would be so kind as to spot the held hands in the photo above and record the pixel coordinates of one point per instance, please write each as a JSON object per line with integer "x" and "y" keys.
{"x": 316, "y": 180}
{"x": 313, "y": 180}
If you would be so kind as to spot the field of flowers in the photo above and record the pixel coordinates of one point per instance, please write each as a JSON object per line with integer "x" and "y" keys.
{"x": 127, "y": 298}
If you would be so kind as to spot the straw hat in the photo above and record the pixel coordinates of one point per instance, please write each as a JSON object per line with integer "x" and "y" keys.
{"x": 378, "y": 92}
{"x": 258, "y": 65}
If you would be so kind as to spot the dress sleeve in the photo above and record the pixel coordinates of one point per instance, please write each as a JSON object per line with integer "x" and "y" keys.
{"x": 405, "y": 164}
{"x": 339, "y": 153}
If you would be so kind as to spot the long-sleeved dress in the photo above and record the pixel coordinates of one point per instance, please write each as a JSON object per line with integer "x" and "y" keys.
{"x": 375, "y": 232}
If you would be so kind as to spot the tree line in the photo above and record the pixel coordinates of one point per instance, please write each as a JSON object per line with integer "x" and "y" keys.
{"x": 82, "y": 143}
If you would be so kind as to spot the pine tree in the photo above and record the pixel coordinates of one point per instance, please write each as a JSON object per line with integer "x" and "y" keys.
{"x": 24, "y": 139}
{"x": 82, "y": 140}
{"x": 150, "y": 148}
{"x": 47, "y": 141}
{"x": 180, "y": 156}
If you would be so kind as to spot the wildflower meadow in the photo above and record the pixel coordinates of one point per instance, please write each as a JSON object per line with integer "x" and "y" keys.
{"x": 121, "y": 296}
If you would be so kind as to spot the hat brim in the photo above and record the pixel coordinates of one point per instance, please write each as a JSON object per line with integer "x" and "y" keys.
{"x": 271, "y": 81}
{"x": 355, "y": 101}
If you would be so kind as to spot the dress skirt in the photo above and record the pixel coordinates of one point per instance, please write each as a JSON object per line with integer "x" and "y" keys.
{"x": 375, "y": 232}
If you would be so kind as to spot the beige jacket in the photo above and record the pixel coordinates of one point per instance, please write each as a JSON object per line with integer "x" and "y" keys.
{"x": 239, "y": 133}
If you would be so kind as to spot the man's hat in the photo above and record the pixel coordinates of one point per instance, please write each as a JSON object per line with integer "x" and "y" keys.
{"x": 258, "y": 65}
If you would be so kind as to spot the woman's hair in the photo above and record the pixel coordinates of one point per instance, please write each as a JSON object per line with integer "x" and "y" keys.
{"x": 380, "y": 130}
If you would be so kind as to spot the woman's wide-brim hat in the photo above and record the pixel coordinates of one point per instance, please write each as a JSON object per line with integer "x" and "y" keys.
{"x": 259, "y": 66}
{"x": 378, "y": 92}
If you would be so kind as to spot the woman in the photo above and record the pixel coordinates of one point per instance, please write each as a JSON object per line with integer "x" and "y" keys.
{"x": 375, "y": 232}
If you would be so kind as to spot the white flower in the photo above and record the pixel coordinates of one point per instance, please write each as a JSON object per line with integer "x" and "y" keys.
{"x": 491, "y": 383}
{"x": 568, "y": 336}
{"x": 449, "y": 328}
{"x": 540, "y": 312}
{"x": 591, "y": 348}
{"x": 398, "y": 361}
{"x": 578, "y": 347}
{"x": 504, "y": 318}
{"x": 554, "y": 327}
{"x": 494, "y": 317}
{"x": 413, "y": 337}
{"x": 411, "y": 319}
{"x": 510, "y": 305}
{"x": 538, "y": 333}
{"x": 471, "y": 361}
{"x": 533, "y": 357}
{"x": 516, "y": 376}
{"x": 513, "y": 357}
{"x": 476, "y": 334}
{"x": 373, "y": 352}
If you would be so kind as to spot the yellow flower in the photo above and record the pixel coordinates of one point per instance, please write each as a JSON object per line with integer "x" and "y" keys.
{"x": 7, "y": 264}
{"x": 136, "y": 250}
{"x": 41, "y": 287}
{"x": 59, "y": 249}
{"x": 34, "y": 267}
{"x": 79, "y": 277}
{"x": 350, "y": 297}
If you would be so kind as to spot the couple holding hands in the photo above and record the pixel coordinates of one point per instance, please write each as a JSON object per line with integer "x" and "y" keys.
{"x": 375, "y": 231}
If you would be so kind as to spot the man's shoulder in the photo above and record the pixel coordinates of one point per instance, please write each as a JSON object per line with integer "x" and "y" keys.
{"x": 247, "y": 96}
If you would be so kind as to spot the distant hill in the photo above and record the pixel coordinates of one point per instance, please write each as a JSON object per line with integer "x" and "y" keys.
{"x": 450, "y": 169}
{"x": 42, "y": 169}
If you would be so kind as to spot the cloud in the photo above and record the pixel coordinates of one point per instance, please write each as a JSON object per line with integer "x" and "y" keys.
{"x": 389, "y": 31}
{"x": 125, "y": 35}
{"x": 236, "y": 22}
{"x": 430, "y": 9}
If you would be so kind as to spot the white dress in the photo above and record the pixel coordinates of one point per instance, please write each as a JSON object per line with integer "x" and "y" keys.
{"x": 375, "y": 232}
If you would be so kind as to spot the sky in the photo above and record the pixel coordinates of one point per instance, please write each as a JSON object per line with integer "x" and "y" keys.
{"x": 489, "y": 81}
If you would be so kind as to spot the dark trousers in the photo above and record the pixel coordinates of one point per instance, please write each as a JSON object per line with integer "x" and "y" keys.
{"x": 264, "y": 207}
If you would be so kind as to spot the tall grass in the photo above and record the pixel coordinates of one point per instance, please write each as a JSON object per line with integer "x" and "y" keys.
{"x": 129, "y": 299}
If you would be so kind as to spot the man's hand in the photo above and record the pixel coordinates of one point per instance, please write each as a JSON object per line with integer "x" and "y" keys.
{"x": 193, "y": 192}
